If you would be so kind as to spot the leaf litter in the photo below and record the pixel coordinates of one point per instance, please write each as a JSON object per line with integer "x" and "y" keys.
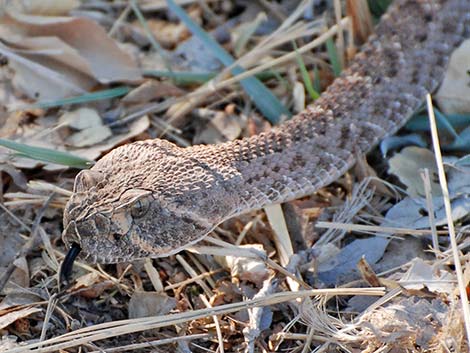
{"x": 250, "y": 289}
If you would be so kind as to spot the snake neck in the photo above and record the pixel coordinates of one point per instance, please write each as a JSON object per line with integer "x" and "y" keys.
{"x": 384, "y": 85}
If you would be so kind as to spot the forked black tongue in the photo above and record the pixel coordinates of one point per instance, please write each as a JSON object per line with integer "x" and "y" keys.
{"x": 67, "y": 265}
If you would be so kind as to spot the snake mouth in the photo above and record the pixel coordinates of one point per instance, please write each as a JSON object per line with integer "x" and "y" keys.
{"x": 67, "y": 265}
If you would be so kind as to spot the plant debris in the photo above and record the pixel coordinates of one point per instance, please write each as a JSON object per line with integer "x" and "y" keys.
{"x": 363, "y": 265}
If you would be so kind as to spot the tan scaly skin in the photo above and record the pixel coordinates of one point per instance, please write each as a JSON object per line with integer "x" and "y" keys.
{"x": 153, "y": 199}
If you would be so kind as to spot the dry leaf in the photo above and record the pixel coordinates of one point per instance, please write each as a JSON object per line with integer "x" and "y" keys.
{"x": 403, "y": 326}
{"x": 11, "y": 317}
{"x": 55, "y": 142}
{"x": 453, "y": 95}
{"x": 43, "y": 7}
{"x": 93, "y": 152}
{"x": 406, "y": 166}
{"x": 431, "y": 276}
{"x": 10, "y": 245}
{"x": 222, "y": 127}
{"x": 89, "y": 136}
{"x": 90, "y": 126}
{"x": 152, "y": 90}
{"x": 144, "y": 304}
{"x": 51, "y": 61}
{"x": 92, "y": 285}
{"x": 81, "y": 118}
{"x": 168, "y": 34}
{"x": 244, "y": 268}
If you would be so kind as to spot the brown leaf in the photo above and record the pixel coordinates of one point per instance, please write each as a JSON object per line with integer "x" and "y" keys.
{"x": 51, "y": 61}
{"x": 453, "y": 95}
{"x": 11, "y": 317}
{"x": 222, "y": 127}
{"x": 245, "y": 268}
{"x": 144, "y": 304}
{"x": 407, "y": 164}
{"x": 92, "y": 284}
{"x": 152, "y": 90}
{"x": 168, "y": 34}
{"x": 90, "y": 126}
{"x": 43, "y": 7}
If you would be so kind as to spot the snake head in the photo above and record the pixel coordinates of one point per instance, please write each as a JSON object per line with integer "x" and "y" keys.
{"x": 135, "y": 225}
{"x": 133, "y": 208}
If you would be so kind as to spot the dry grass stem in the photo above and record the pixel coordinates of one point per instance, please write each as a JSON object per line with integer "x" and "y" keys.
{"x": 430, "y": 207}
{"x": 155, "y": 343}
{"x": 117, "y": 328}
{"x": 450, "y": 222}
{"x": 216, "y": 322}
{"x": 192, "y": 273}
{"x": 376, "y": 229}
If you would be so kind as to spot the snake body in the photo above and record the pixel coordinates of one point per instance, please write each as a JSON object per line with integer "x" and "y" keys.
{"x": 152, "y": 198}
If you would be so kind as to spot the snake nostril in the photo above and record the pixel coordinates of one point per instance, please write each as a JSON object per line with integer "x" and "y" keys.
{"x": 116, "y": 236}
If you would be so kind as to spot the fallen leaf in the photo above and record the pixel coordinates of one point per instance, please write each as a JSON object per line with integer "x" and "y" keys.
{"x": 342, "y": 267}
{"x": 407, "y": 164}
{"x": 145, "y": 304}
{"x": 167, "y": 33}
{"x": 53, "y": 62}
{"x": 412, "y": 211}
{"x": 222, "y": 127}
{"x": 11, "y": 317}
{"x": 453, "y": 95}
{"x": 244, "y": 268}
{"x": 431, "y": 276}
{"x": 91, "y": 285}
{"x": 90, "y": 153}
{"x": 404, "y": 325}
{"x": 80, "y": 118}
{"x": 152, "y": 90}
{"x": 391, "y": 143}
{"x": 90, "y": 124}
{"x": 93, "y": 152}
{"x": 43, "y": 7}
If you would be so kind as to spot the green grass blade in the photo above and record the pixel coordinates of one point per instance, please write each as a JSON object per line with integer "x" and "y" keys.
{"x": 183, "y": 78}
{"x": 459, "y": 120}
{"x": 445, "y": 122}
{"x": 46, "y": 154}
{"x": 84, "y": 98}
{"x": 420, "y": 122}
{"x": 334, "y": 58}
{"x": 263, "y": 98}
{"x": 378, "y": 7}
{"x": 305, "y": 76}
{"x": 461, "y": 144}
{"x": 316, "y": 80}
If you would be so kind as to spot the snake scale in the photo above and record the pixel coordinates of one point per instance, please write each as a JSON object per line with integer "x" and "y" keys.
{"x": 152, "y": 198}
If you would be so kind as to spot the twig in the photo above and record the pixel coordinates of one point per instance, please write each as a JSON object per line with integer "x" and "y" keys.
{"x": 29, "y": 246}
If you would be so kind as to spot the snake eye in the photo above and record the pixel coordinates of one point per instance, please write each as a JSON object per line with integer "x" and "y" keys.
{"x": 102, "y": 223}
{"x": 140, "y": 208}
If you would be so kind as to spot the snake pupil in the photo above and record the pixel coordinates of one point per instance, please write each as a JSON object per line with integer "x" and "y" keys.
{"x": 140, "y": 208}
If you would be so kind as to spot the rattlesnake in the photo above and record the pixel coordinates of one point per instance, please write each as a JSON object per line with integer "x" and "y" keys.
{"x": 152, "y": 198}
